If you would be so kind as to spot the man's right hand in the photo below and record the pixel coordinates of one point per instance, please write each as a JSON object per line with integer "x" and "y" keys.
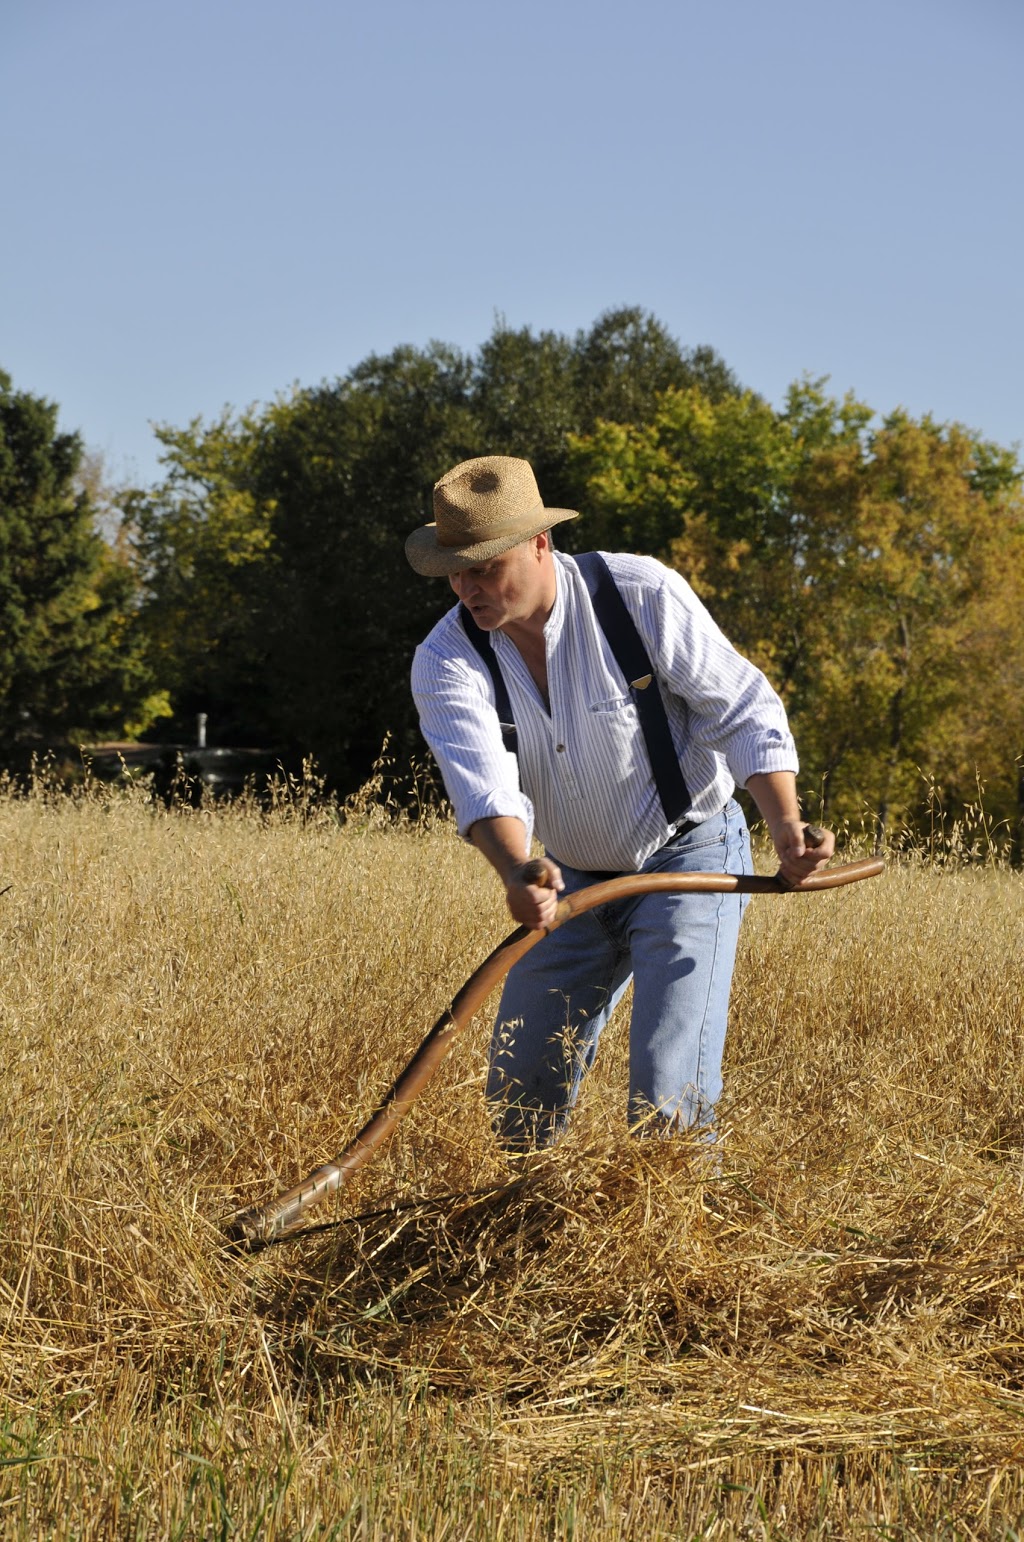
{"x": 531, "y": 892}
{"x": 532, "y": 884}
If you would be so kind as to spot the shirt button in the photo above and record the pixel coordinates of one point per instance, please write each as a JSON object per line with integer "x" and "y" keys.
{"x": 560, "y": 748}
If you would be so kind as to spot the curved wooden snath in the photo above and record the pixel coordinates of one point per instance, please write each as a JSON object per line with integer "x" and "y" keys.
{"x": 263, "y": 1223}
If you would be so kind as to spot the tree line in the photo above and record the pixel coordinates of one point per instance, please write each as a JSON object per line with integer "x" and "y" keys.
{"x": 873, "y": 567}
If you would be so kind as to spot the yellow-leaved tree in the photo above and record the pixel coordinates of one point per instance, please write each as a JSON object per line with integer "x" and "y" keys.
{"x": 916, "y": 560}
{"x": 875, "y": 571}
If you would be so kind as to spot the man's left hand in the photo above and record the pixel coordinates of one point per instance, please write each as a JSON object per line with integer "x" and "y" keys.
{"x": 797, "y": 857}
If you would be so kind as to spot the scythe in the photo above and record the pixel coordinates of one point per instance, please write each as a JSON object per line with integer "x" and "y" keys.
{"x": 261, "y": 1224}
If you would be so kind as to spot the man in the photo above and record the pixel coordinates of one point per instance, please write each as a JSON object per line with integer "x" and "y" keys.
{"x": 583, "y": 774}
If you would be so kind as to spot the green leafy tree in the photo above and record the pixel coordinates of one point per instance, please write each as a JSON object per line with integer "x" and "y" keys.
{"x": 350, "y": 470}
{"x": 278, "y": 598}
{"x": 628, "y": 359}
{"x": 533, "y": 393}
{"x": 203, "y": 545}
{"x": 524, "y": 397}
{"x": 70, "y": 653}
{"x": 704, "y": 485}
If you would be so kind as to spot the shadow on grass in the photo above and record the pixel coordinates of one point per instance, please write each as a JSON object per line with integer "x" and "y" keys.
{"x": 380, "y": 1281}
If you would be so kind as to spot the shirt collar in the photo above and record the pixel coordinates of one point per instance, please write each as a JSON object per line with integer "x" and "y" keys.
{"x": 553, "y": 625}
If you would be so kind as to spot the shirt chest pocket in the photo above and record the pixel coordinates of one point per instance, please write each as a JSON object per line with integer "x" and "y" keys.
{"x": 614, "y": 706}
{"x": 614, "y": 724}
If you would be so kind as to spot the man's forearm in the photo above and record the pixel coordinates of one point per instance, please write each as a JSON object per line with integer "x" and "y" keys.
{"x": 774, "y": 792}
{"x": 502, "y": 840}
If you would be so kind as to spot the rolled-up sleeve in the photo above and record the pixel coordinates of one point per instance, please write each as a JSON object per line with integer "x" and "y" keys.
{"x": 459, "y": 721}
{"x": 731, "y": 708}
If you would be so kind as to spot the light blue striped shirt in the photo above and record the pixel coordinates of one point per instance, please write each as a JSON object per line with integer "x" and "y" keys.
{"x": 584, "y": 778}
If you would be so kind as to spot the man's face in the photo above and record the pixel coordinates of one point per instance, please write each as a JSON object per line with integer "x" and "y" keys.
{"x": 509, "y": 588}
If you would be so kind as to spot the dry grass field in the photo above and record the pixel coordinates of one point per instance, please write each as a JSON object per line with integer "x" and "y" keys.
{"x": 197, "y": 1006}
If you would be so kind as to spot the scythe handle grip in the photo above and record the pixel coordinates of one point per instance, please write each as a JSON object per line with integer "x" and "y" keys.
{"x": 536, "y": 872}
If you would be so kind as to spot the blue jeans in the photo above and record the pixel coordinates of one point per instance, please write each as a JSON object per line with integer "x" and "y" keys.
{"x": 678, "y": 948}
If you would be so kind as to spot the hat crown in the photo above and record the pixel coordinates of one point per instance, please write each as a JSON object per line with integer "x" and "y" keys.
{"x": 489, "y": 498}
{"x": 482, "y": 507}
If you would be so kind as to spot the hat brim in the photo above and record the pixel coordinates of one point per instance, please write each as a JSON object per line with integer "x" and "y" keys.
{"x": 432, "y": 560}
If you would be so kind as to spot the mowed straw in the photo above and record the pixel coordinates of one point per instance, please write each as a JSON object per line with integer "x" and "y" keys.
{"x": 200, "y": 1004}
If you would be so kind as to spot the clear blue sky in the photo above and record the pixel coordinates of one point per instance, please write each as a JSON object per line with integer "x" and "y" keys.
{"x": 204, "y": 202}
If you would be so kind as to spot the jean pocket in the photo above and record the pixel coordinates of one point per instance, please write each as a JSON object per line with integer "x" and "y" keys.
{"x": 712, "y": 832}
{"x": 697, "y": 842}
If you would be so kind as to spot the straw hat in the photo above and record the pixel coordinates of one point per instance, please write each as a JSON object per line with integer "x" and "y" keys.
{"x": 482, "y": 507}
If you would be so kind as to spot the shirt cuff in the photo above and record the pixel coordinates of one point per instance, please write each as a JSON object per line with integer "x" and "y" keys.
{"x": 762, "y": 761}
{"x": 496, "y": 805}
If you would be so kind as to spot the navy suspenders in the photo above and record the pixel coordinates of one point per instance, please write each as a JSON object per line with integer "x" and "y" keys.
{"x": 631, "y": 656}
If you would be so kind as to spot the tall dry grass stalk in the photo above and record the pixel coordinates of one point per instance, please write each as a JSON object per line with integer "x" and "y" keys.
{"x": 198, "y": 1005}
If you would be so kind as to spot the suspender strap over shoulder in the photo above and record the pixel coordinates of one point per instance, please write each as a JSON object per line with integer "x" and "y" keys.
{"x": 481, "y": 641}
{"x": 631, "y": 656}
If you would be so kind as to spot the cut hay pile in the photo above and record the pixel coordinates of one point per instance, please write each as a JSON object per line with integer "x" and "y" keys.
{"x": 824, "y": 1339}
